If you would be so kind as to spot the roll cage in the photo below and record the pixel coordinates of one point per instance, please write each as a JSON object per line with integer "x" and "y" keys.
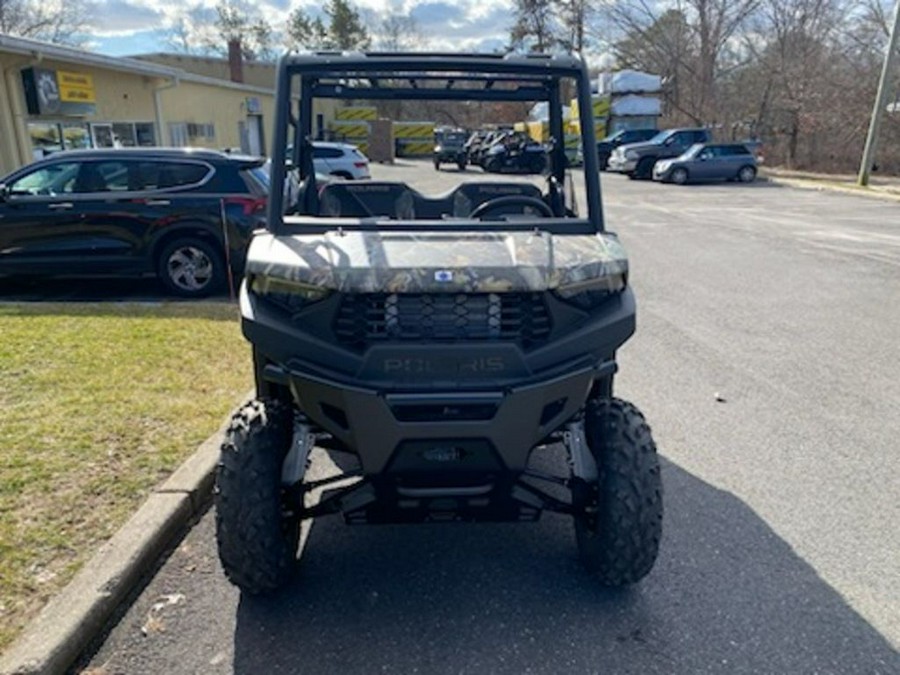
{"x": 304, "y": 77}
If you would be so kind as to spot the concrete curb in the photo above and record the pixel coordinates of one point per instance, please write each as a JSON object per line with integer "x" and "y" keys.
{"x": 72, "y": 619}
{"x": 809, "y": 184}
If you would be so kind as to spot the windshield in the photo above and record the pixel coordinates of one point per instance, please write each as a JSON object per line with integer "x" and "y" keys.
{"x": 661, "y": 136}
{"x": 693, "y": 151}
{"x": 520, "y": 173}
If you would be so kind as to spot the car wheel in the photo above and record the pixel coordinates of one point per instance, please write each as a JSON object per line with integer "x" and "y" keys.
{"x": 191, "y": 268}
{"x": 644, "y": 169}
{"x": 747, "y": 174}
{"x": 618, "y": 521}
{"x": 257, "y": 541}
{"x": 437, "y": 165}
{"x": 679, "y": 176}
{"x": 461, "y": 164}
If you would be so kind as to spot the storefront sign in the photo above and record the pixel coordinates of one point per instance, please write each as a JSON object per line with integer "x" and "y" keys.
{"x": 51, "y": 92}
{"x": 75, "y": 87}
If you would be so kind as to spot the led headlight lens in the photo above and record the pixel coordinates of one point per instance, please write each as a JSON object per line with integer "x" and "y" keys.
{"x": 291, "y": 296}
{"x": 593, "y": 292}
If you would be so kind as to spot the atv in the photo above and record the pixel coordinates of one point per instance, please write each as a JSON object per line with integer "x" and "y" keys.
{"x": 515, "y": 152}
{"x": 449, "y": 148}
{"x": 441, "y": 343}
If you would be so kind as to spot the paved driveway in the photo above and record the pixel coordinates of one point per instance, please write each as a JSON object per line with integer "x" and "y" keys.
{"x": 766, "y": 362}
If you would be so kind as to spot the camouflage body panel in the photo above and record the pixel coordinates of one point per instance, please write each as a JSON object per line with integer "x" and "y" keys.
{"x": 435, "y": 262}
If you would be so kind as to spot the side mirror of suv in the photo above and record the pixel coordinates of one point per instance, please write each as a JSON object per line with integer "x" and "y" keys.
{"x": 4, "y": 192}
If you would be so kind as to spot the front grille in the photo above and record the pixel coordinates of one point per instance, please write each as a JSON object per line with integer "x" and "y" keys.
{"x": 378, "y": 317}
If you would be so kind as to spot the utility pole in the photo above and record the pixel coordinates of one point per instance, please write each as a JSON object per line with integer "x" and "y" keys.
{"x": 880, "y": 99}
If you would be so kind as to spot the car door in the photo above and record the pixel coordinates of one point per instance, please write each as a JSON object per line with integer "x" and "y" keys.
{"x": 704, "y": 165}
{"x": 112, "y": 223}
{"x": 40, "y": 223}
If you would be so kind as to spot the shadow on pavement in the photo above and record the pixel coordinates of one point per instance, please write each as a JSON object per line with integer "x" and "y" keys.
{"x": 727, "y": 596}
{"x": 21, "y": 289}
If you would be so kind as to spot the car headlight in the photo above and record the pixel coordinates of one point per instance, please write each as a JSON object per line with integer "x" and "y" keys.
{"x": 631, "y": 154}
{"x": 438, "y": 148}
{"x": 590, "y": 293}
{"x": 290, "y": 296}
{"x": 662, "y": 167}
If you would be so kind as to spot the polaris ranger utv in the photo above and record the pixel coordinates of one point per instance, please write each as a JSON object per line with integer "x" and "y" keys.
{"x": 440, "y": 340}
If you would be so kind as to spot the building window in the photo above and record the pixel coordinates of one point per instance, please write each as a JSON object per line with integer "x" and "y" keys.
{"x": 75, "y": 136}
{"x": 46, "y": 138}
{"x": 145, "y": 133}
{"x": 124, "y": 135}
{"x": 207, "y": 131}
{"x": 178, "y": 134}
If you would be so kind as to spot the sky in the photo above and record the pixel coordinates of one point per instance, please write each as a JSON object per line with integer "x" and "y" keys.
{"x": 126, "y": 27}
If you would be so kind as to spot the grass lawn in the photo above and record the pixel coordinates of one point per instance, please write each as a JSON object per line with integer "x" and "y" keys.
{"x": 100, "y": 402}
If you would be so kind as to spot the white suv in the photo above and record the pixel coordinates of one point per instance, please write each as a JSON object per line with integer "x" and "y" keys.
{"x": 340, "y": 159}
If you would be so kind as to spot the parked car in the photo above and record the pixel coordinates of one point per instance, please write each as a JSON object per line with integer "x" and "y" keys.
{"x": 184, "y": 215}
{"x": 622, "y": 137}
{"x": 636, "y": 160}
{"x": 340, "y": 159}
{"x": 708, "y": 162}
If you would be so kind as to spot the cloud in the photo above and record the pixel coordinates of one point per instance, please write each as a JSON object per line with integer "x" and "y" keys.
{"x": 446, "y": 25}
{"x": 124, "y": 17}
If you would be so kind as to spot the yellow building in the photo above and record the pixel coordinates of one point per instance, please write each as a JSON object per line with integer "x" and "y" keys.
{"x": 56, "y": 98}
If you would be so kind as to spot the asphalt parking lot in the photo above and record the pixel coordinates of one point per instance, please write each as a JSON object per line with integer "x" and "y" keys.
{"x": 765, "y": 361}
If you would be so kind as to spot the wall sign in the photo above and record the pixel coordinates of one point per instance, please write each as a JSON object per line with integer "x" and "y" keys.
{"x": 58, "y": 92}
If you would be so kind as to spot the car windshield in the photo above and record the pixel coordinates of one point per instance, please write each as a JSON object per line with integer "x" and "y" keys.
{"x": 518, "y": 172}
{"x": 692, "y": 151}
{"x": 660, "y": 137}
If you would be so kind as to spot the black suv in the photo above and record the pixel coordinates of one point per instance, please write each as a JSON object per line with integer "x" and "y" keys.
{"x": 184, "y": 215}
{"x": 636, "y": 160}
{"x": 622, "y": 137}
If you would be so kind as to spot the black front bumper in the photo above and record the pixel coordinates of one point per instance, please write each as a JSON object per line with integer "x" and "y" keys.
{"x": 413, "y": 407}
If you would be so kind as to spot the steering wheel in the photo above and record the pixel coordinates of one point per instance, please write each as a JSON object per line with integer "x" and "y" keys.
{"x": 512, "y": 200}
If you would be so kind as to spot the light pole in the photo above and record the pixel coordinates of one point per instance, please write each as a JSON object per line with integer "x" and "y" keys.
{"x": 881, "y": 98}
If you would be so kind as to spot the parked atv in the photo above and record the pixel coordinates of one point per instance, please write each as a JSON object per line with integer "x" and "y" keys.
{"x": 449, "y": 346}
{"x": 515, "y": 153}
{"x": 449, "y": 147}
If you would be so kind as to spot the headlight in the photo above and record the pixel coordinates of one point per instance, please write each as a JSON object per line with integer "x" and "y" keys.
{"x": 662, "y": 167}
{"x": 631, "y": 154}
{"x": 592, "y": 292}
{"x": 291, "y": 296}
{"x": 437, "y": 148}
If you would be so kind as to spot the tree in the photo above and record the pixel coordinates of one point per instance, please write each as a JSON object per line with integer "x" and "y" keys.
{"x": 239, "y": 20}
{"x": 536, "y": 26}
{"x": 304, "y": 32}
{"x": 343, "y": 30}
{"x": 58, "y": 22}
{"x": 346, "y": 29}
{"x": 399, "y": 33}
{"x": 703, "y": 47}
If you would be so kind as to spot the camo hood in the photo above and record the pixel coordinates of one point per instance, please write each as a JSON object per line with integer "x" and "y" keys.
{"x": 436, "y": 262}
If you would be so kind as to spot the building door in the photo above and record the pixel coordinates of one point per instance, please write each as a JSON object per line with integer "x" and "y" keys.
{"x": 102, "y": 135}
{"x": 254, "y": 135}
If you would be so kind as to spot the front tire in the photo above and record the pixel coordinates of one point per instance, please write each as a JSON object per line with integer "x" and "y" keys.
{"x": 257, "y": 542}
{"x": 644, "y": 169}
{"x": 191, "y": 268}
{"x": 679, "y": 176}
{"x": 747, "y": 174}
{"x": 620, "y": 527}
{"x": 437, "y": 165}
